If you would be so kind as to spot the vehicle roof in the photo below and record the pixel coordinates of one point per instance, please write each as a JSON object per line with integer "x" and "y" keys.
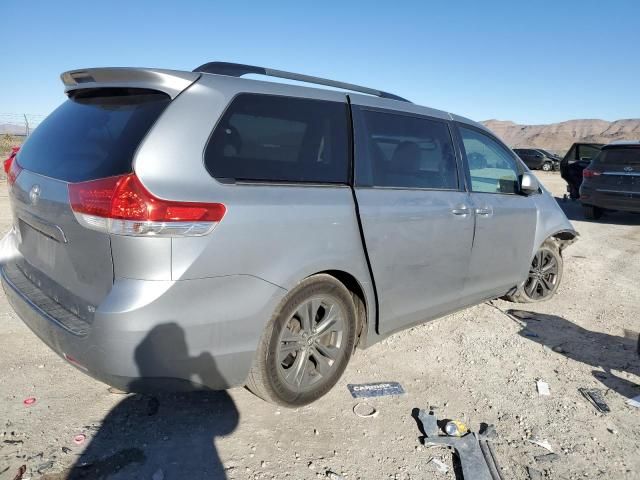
{"x": 623, "y": 143}
{"x": 174, "y": 81}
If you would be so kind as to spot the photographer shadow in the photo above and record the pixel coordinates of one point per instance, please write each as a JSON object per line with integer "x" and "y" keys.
{"x": 604, "y": 352}
{"x": 167, "y": 435}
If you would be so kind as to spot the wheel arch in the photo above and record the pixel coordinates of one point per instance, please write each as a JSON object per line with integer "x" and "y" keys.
{"x": 363, "y": 310}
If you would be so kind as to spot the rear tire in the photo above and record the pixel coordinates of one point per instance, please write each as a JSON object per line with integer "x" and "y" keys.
{"x": 591, "y": 212}
{"x": 545, "y": 274}
{"x": 306, "y": 345}
{"x": 547, "y": 167}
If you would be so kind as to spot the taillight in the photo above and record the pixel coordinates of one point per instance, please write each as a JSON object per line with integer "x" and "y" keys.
{"x": 122, "y": 205}
{"x": 588, "y": 173}
{"x": 12, "y": 169}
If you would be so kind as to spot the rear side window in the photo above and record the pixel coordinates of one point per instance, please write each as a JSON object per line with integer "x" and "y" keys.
{"x": 92, "y": 135}
{"x": 619, "y": 156}
{"x": 271, "y": 138}
{"x": 404, "y": 151}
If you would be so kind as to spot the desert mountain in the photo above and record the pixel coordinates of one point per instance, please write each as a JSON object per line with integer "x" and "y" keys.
{"x": 558, "y": 137}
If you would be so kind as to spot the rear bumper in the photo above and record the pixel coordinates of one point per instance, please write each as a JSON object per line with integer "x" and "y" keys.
{"x": 162, "y": 335}
{"x": 623, "y": 201}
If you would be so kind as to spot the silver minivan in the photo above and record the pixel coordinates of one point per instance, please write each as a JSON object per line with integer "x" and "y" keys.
{"x": 177, "y": 230}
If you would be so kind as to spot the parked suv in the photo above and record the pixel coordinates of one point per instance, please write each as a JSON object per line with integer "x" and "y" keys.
{"x": 538, "y": 159}
{"x": 200, "y": 230}
{"x": 612, "y": 180}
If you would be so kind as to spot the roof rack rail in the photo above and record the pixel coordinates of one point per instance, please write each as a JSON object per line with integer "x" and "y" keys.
{"x": 238, "y": 70}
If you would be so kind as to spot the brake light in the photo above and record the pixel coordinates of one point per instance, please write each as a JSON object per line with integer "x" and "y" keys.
{"x": 588, "y": 173}
{"x": 12, "y": 169}
{"x": 122, "y": 205}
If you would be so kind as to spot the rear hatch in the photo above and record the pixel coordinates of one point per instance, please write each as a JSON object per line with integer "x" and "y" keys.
{"x": 93, "y": 135}
{"x": 619, "y": 171}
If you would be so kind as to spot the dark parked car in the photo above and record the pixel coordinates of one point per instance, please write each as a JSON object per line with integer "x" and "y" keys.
{"x": 574, "y": 162}
{"x": 538, "y": 159}
{"x": 612, "y": 180}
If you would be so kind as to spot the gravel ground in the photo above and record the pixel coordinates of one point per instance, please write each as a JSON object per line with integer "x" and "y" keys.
{"x": 478, "y": 365}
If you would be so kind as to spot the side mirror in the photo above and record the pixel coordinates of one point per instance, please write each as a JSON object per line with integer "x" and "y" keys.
{"x": 529, "y": 184}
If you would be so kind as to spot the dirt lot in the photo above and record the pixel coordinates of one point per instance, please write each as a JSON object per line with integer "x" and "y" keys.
{"x": 478, "y": 365}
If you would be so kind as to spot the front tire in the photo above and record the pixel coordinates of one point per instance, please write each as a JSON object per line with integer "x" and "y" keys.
{"x": 545, "y": 274}
{"x": 306, "y": 345}
{"x": 547, "y": 167}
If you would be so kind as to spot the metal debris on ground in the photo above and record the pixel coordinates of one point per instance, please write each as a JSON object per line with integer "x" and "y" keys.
{"x": 543, "y": 388}
{"x": 440, "y": 465}
{"x": 456, "y": 428}
{"x": 429, "y": 423}
{"x": 364, "y": 410}
{"x": 523, "y": 315}
{"x": 634, "y": 402}
{"x": 596, "y": 398}
{"x": 379, "y": 389}
{"x": 541, "y": 443}
{"x": 475, "y": 451}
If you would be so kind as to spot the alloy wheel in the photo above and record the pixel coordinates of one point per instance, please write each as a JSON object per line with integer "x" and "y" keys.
{"x": 311, "y": 342}
{"x": 543, "y": 275}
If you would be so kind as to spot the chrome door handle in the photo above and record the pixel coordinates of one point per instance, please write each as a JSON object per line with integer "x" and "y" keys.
{"x": 461, "y": 210}
{"x": 485, "y": 211}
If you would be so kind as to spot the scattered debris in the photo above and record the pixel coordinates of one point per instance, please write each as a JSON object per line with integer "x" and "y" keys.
{"x": 12, "y": 442}
{"x": 429, "y": 423}
{"x": 456, "y": 428}
{"x": 595, "y": 397}
{"x": 20, "y": 473}
{"x": 547, "y": 457}
{"x": 477, "y": 458}
{"x": 440, "y": 465}
{"x": 43, "y": 467}
{"x": 541, "y": 443}
{"x": 365, "y": 390}
{"x": 522, "y": 315}
{"x": 634, "y": 402}
{"x": 66, "y": 450}
{"x": 29, "y": 401}
{"x": 364, "y": 410}
{"x": 333, "y": 476}
{"x": 543, "y": 388}
{"x": 79, "y": 439}
{"x": 534, "y": 474}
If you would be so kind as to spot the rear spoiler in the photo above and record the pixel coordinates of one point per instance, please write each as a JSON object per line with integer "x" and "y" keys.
{"x": 171, "y": 82}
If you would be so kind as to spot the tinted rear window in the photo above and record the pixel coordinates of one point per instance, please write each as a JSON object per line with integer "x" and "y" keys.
{"x": 619, "y": 156}
{"x": 280, "y": 139}
{"x": 408, "y": 152}
{"x": 92, "y": 135}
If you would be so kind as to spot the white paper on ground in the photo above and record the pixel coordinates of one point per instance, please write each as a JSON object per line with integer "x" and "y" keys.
{"x": 543, "y": 388}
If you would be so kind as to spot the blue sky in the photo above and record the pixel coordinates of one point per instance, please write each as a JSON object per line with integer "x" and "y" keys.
{"x": 531, "y": 62}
